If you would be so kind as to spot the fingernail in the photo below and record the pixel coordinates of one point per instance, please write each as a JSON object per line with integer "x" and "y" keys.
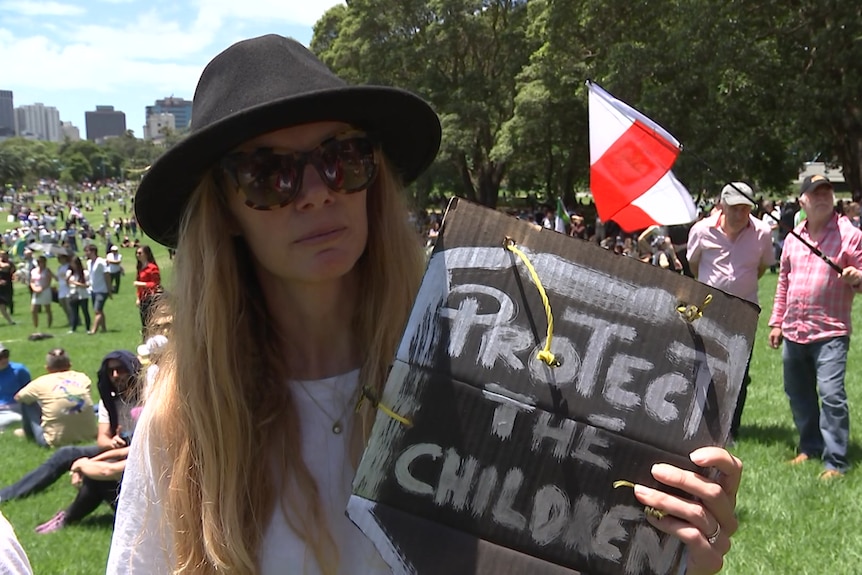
{"x": 698, "y": 457}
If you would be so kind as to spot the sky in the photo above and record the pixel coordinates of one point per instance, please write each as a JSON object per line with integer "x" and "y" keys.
{"x": 77, "y": 54}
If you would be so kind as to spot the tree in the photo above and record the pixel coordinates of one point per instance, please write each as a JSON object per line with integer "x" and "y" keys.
{"x": 12, "y": 165}
{"x": 462, "y": 55}
{"x": 78, "y": 167}
{"x": 823, "y": 44}
{"x": 547, "y": 137}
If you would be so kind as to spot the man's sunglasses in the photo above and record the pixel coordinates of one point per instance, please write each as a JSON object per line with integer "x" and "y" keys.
{"x": 272, "y": 179}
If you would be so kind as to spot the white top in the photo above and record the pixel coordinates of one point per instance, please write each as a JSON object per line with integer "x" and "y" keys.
{"x": 98, "y": 268}
{"x": 77, "y": 292}
{"x": 124, "y": 415}
{"x": 139, "y": 545}
{"x": 62, "y": 284}
{"x": 13, "y": 560}
{"x": 114, "y": 260}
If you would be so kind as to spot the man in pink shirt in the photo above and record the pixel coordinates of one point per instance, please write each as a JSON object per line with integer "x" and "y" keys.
{"x": 730, "y": 250}
{"x": 812, "y": 316}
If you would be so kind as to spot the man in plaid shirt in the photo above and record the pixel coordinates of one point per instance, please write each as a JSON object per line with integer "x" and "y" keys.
{"x": 812, "y": 313}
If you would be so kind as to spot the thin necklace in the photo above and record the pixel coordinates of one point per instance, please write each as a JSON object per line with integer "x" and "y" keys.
{"x": 337, "y": 426}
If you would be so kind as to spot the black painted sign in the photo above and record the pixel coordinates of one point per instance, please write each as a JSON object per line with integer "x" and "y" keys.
{"x": 509, "y": 464}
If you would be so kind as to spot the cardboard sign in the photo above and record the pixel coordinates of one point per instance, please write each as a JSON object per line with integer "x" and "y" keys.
{"x": 509, "y": 464}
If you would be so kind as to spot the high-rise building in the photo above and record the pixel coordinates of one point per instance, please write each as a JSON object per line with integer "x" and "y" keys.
{"x": 158, "y": 124}
{"x": 7, "y": 114}
{"x": 104, "y": 122}
{"x": 70, "y": 132}
{"x": 179, "y": 107}
{"x": 39, "y": 122}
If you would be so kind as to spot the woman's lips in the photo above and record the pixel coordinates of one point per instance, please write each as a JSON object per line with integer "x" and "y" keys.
{"x": 321, "y": 235}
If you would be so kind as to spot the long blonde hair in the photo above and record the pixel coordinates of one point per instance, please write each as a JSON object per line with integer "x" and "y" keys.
{"x": 220, "y": 394}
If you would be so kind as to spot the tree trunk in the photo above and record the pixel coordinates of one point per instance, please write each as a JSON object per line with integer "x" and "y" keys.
{"x": 490, "y": 177}
{"x": 466, "y": 179}
{"x": 851, "y": 162}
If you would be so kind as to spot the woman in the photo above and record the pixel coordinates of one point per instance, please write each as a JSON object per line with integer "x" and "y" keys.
{"x": 79, "y": 296}
{"x": 148, "y": 283}
{"x": 296, "y": 270}
{"x": 7, "y": 272}
{"x": 41, "y": 278}
{"x": 63, "y": 291}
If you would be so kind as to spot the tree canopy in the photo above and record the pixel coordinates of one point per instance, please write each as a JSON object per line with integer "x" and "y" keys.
{"x": 752, "y": 90}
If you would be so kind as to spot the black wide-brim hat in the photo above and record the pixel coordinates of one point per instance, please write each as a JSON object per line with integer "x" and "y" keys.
{"x": 265, "y": 84}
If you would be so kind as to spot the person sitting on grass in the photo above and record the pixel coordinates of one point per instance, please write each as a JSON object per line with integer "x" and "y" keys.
{"x": 56, "y": 408}
{"x": 98, "y": 480}
{"x": 13, "y": 377}
{"x": 119, "y": 384}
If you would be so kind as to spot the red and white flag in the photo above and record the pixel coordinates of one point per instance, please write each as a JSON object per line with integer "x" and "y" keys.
{"x": 630, "y": 161}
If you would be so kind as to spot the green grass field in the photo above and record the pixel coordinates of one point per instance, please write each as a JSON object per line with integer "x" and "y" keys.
{"x": 791, "y": 523}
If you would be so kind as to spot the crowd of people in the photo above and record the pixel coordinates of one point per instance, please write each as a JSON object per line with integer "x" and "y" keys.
{"x": 54, "y": 250}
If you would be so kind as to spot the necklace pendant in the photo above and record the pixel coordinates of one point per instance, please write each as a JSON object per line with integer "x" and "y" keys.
{"x": 336, "y": 428}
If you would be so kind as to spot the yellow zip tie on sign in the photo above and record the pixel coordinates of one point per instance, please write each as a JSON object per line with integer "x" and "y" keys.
{"x": 651, "y": 511}
{"x": 692, "y": 312}
{"x": 545, "y": 353}
{"x": 367, "y": 393}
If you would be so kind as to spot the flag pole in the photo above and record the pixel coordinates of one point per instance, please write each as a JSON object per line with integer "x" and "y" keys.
{"x": 791, "y": 231}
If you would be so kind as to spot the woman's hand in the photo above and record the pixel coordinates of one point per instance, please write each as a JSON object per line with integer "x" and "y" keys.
{"x": 705, "y": 525}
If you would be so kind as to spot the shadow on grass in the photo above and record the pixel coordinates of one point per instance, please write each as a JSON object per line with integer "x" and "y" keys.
{"x": 769, "y": 435}
{"x": 782, "y": 435}
{"x": 96, "y": 522}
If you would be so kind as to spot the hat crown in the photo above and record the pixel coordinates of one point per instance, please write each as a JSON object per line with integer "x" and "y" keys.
{"x": 254, "y": 73}
{"x": 813, "y": 182}
{"x": 736, "y": 193}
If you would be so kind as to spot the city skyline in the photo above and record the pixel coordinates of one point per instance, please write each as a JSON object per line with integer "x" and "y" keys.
{"x": 76, "y": 55}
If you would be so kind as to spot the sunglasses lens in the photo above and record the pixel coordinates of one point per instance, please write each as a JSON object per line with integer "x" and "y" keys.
{"x": 347, "y": 165}
{"x": 267, "y": 179}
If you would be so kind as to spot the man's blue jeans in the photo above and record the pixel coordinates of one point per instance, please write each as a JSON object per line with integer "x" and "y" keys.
{"x": 46, "y": 474}
{"x": 31, "y": 423}
{"x": 9, "y": 415}
{"x": 812, "y": 372}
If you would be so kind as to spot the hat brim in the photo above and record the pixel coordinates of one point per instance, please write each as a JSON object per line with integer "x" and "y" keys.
{"x": 738, "y": 202}
{"x": 816, "y": 184}
{"x": 406, "y": 126}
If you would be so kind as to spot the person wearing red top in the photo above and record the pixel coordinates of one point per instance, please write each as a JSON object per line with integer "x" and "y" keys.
{"x": 148, "y": 283}
{"x": 811, "y": 315}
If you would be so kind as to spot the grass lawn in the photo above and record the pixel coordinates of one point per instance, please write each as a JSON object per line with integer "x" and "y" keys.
{"x": 791, "y": 523}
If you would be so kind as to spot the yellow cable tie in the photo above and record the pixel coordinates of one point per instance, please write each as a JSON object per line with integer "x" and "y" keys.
{"x": 692, "y": 312}
{"x": 399, "y": 418}
{"x": 367, "y": 393}
{"x": 651, "y": 511}
{"x": 545, "y": 353}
